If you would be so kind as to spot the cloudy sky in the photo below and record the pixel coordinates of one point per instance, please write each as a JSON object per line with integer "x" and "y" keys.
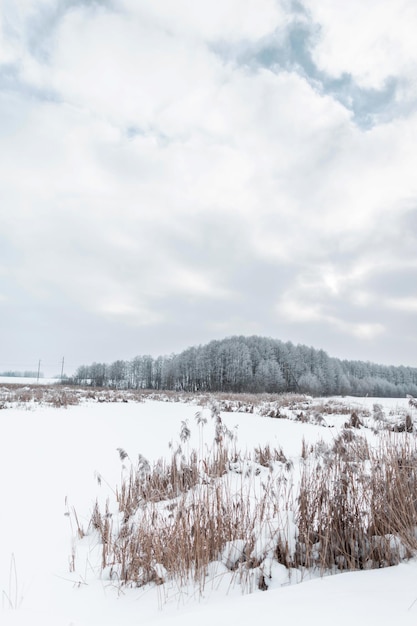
{"x": 173, "y": 172}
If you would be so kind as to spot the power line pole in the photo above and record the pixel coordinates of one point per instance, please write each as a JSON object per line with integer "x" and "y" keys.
{"x": 39, "y": 370}
{"x": 62, "y": 368}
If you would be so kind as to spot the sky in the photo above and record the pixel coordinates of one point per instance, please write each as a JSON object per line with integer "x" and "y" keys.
{"x": 177, "y": 172}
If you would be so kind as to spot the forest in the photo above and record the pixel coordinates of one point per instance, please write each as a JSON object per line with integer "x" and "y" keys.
{"x": 252, "y": 364}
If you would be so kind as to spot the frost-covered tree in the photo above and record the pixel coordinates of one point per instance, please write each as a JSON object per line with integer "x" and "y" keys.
{"x": 239, "y": 364}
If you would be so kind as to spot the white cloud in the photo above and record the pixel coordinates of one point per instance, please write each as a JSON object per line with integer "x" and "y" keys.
{"x": 408, "y": 305}
{"x": 361, "y": 330}
{"x": 127, "y": 72}
{"x": 371, "y": 40}
{"x": 121, "y": 144}
{"x": 297, "y": 310}
{"x": 231, "y": 20}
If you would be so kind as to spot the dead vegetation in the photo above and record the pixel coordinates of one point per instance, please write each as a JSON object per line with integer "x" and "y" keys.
{"x": 291, "y": 406}
{"x": 357, "y": 506}
{"x": 340, "y": 506}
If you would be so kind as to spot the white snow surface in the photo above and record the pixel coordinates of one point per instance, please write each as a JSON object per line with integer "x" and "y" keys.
{"x": 20, "y": 380}
{"x": 49, "y": 461}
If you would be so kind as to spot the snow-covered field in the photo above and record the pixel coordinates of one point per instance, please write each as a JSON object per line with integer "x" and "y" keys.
{"x": 18, "y": 380}
{"x": 49, "y": 462}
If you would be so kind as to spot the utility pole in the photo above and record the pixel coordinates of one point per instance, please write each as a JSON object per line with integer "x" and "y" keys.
{"x": 62, "y": 368}
{"x": 39, "y": 370}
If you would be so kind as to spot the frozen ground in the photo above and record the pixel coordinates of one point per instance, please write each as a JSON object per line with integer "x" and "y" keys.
{"x": 17, "y": 380}
{"x": 49, "y": 459}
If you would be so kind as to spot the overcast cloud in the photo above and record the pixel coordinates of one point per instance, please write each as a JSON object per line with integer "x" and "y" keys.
{"x": 176, "y": 172}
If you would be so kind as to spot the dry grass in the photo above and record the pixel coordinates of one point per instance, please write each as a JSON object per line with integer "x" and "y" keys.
{"x": 12, "y": 598}
{"x": 177, "y": 517}
{"x": 296, "y": 407}
{"x": 357, "y": 506}
{"x": 59, "y": 395}
{"x": 354, "y": 507}
{"x": 181, "y": 538}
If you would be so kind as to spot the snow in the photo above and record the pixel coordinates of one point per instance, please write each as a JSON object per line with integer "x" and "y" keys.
{"x": 20, "y": 380}
{"x": 50, "y": 459}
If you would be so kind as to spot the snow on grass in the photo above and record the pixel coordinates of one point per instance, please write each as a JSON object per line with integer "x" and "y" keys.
{"x": 50, "y": 462}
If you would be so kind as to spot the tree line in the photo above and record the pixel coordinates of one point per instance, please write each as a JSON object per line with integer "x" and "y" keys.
{"x": 252, "y": 364}
{"x": 25, "y": 374}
